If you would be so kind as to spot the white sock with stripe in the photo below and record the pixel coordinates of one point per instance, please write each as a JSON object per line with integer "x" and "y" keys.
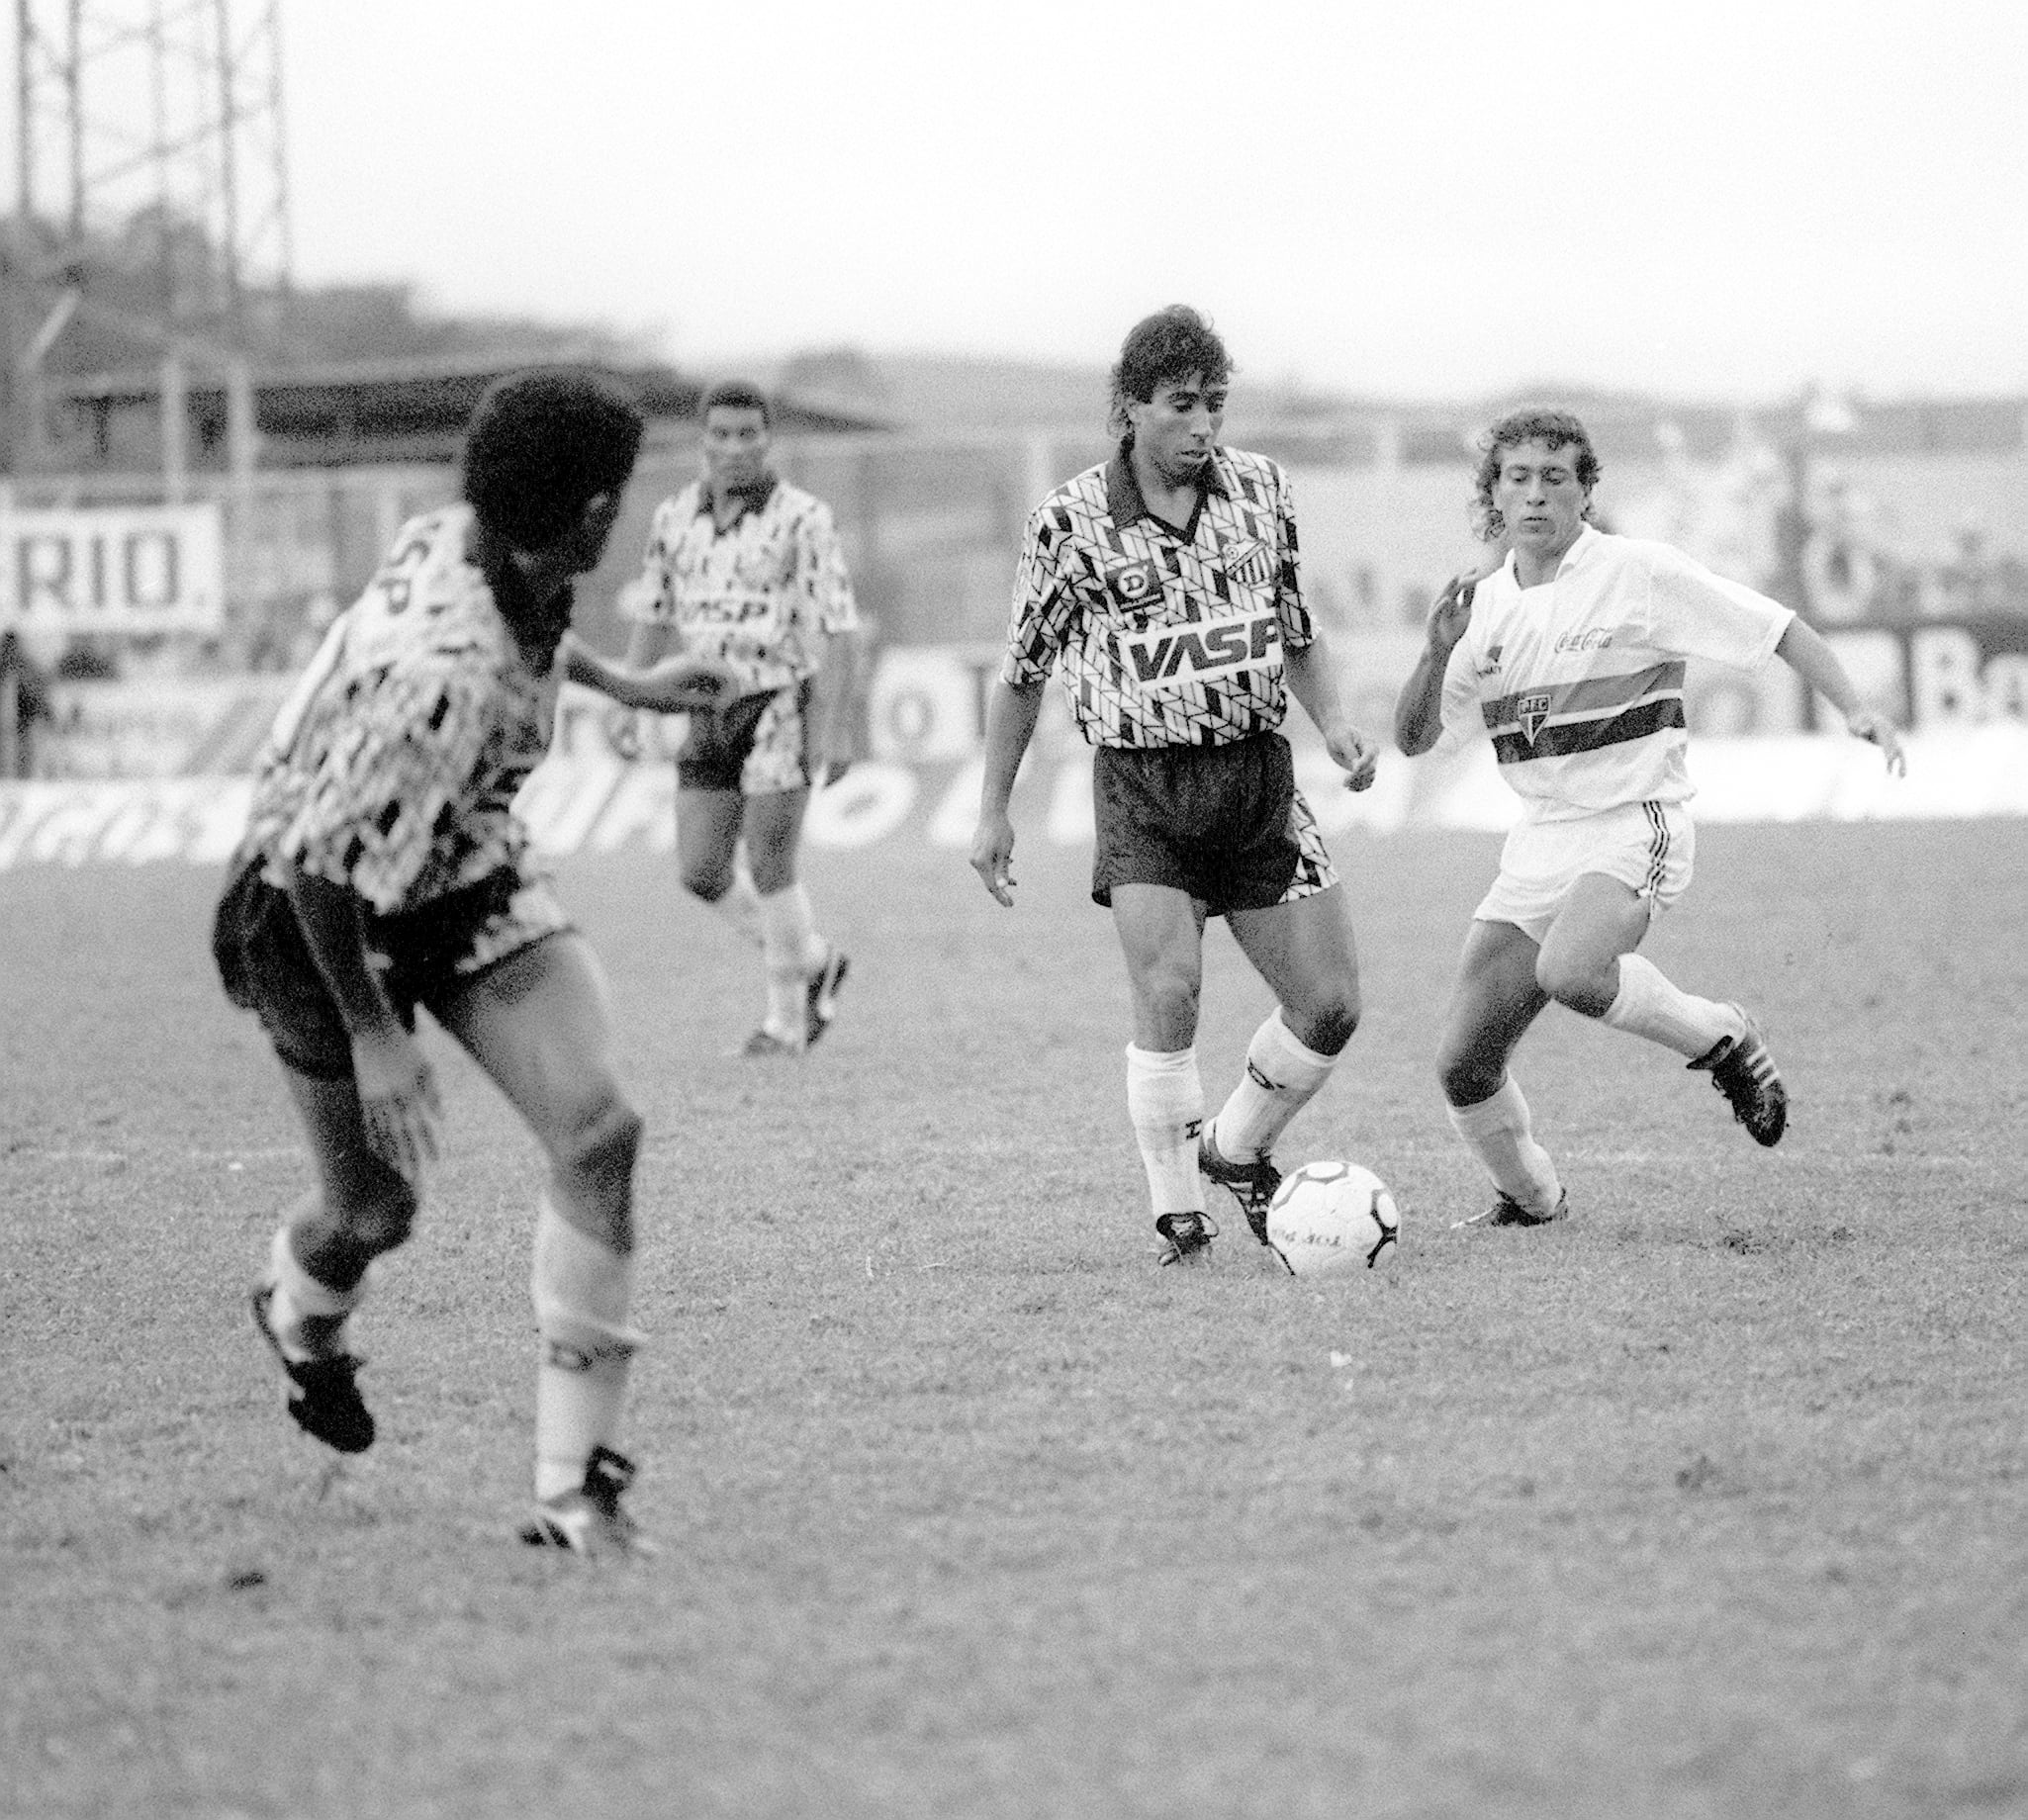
{"x": 1502, "y": 1135}
{"x": 1165, "y": 1101}
{"x": 1648, "y": 1005}
{"x": 1282, "y": 1076}
{"x": 581, "y": 1290}
{"x": 307, "y": 1316}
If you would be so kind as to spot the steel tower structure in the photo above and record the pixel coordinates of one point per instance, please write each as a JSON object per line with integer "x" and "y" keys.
{"x": 154, "y": 127}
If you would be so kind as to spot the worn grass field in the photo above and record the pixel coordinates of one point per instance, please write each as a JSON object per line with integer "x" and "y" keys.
{"x": 1712, "y": 1501}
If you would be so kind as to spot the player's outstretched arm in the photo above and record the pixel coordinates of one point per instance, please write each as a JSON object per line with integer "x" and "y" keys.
{"x": 397, "y": 1097}
{"x": 1803, "y": 650}
{"x": 670, "y": 686}
{"x": 1011, "y": 714}
{"x": 1418, "y": 710}
{"x": 1313, "y": 680}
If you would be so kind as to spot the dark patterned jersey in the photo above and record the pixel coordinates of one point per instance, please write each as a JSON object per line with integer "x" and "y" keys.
{"x": 394, "y": 763}
{"x": 1163, "y": 637}
{"x": 757, "y": 595}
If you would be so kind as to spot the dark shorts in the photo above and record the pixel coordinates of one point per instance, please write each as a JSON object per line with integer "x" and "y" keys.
{"x": 426, "y": 956}
{"x": 757, "y": 744}
{"x": 1222, "y": 823}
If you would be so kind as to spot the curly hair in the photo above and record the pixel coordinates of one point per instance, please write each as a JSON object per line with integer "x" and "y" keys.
{"x": 542, "y": 445}
{"x": 1558, "y": 430}
{"x": 1172, "y": 343}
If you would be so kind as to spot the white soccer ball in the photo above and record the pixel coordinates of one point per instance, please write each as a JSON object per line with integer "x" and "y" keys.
{"x": 1329, "y": 1217}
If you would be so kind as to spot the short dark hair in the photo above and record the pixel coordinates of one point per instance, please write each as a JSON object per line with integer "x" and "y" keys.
{"x": 1171, "y": 344}
{"x": 1559, "y": 429}
{"x": 736, "y": 395}
{"x": 542, "y": 445}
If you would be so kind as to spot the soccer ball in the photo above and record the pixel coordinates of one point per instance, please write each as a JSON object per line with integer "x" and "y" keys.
{"x": 1329, "y": 1217}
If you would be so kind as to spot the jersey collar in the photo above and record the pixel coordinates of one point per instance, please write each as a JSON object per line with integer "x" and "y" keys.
{"x": 753, "y": 496}
{"x": 1123, "y": 492}
{"x": 1580, "y": 551}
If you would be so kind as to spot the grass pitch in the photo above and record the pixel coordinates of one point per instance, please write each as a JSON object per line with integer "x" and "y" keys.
{"x": 1712, "y": 1501}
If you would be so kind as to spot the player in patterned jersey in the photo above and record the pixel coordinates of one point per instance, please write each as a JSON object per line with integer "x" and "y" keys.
{"x": 1570, "y": 655}
{"x": 1165, "y": 585}
{"x": 744, "y": 567}
{"x": 384, "y": 868}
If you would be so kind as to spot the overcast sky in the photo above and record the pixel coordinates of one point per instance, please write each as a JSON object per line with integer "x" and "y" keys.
{"x": 1719, "y": 197}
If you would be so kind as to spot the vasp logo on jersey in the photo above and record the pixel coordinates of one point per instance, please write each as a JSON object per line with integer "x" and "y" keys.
{"x": 1210, "y": 650}
{"x": 1248, "y": 561}
{"x": 1135, "y": 584}
{"x": 1531, "y": 711}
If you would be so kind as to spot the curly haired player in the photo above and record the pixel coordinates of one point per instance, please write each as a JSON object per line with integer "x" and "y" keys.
{"x": 384, "y": 869}
{"x": 1570, "y": 656}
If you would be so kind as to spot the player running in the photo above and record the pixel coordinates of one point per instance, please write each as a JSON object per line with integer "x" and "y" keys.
{"x": 384, "y": 868}
{"x": 1164, "y": 581}
{"x": 1570, "y": 655}
{"x": 746, "y": 568}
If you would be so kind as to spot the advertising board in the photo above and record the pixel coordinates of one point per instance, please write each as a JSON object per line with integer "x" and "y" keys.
{"x": 119, "y": 571}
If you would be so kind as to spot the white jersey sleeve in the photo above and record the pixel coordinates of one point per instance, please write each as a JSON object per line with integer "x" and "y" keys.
{"x": 1696, "y": 614}
{"x": 1462, "y": 719}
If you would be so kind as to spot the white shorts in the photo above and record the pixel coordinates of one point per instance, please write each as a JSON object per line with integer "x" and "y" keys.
{"x": 1649, "y": 846}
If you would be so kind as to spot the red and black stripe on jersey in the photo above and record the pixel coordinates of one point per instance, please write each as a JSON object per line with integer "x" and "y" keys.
{"x": 1586, "y": 715}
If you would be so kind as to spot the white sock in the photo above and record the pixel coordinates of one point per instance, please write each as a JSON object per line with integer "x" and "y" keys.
{"x": 784, "y": 918}
{"x": 1648, "y": 1005}
{"x": 794, "y": 952}
{"x": 741, "y": 904}
{"x": 582, "y": 1290}
{"x": 1501, "y": 1136}
{"x": 1165, "y": 1101}
{"x": 308, "y": 1317}
{"x": 1282, "y": 1076}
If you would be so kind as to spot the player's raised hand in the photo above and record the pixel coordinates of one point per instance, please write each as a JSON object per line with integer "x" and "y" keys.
{"x": 1357, "y": 756}
{"x": 399, "y": 1103}
{"x": 1878, "y": 730}
{"x": 1451, "y": 612}
{"x": 992, "y": 856}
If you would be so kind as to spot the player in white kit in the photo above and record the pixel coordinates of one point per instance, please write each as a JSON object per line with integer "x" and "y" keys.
{"x": 1570, "y": 656}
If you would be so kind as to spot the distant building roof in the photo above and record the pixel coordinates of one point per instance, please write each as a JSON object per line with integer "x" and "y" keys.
{"x": 361, "y": 413}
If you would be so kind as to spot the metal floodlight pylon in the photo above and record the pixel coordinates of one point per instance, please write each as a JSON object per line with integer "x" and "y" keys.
{"x": 153, "y": 130}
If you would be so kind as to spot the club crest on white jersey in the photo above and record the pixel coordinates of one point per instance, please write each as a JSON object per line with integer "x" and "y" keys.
{"x": 1532, "y": 711}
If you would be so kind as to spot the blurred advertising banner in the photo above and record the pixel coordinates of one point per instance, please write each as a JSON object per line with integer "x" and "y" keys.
{"x": 927, "y": 702}
{"x": 924, "y": 705}
{"x": 1952, "y": 674}
{"x": 115, "y": 570}
{"x": 590, "y": 800}
{"x": 171, "y": 727}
